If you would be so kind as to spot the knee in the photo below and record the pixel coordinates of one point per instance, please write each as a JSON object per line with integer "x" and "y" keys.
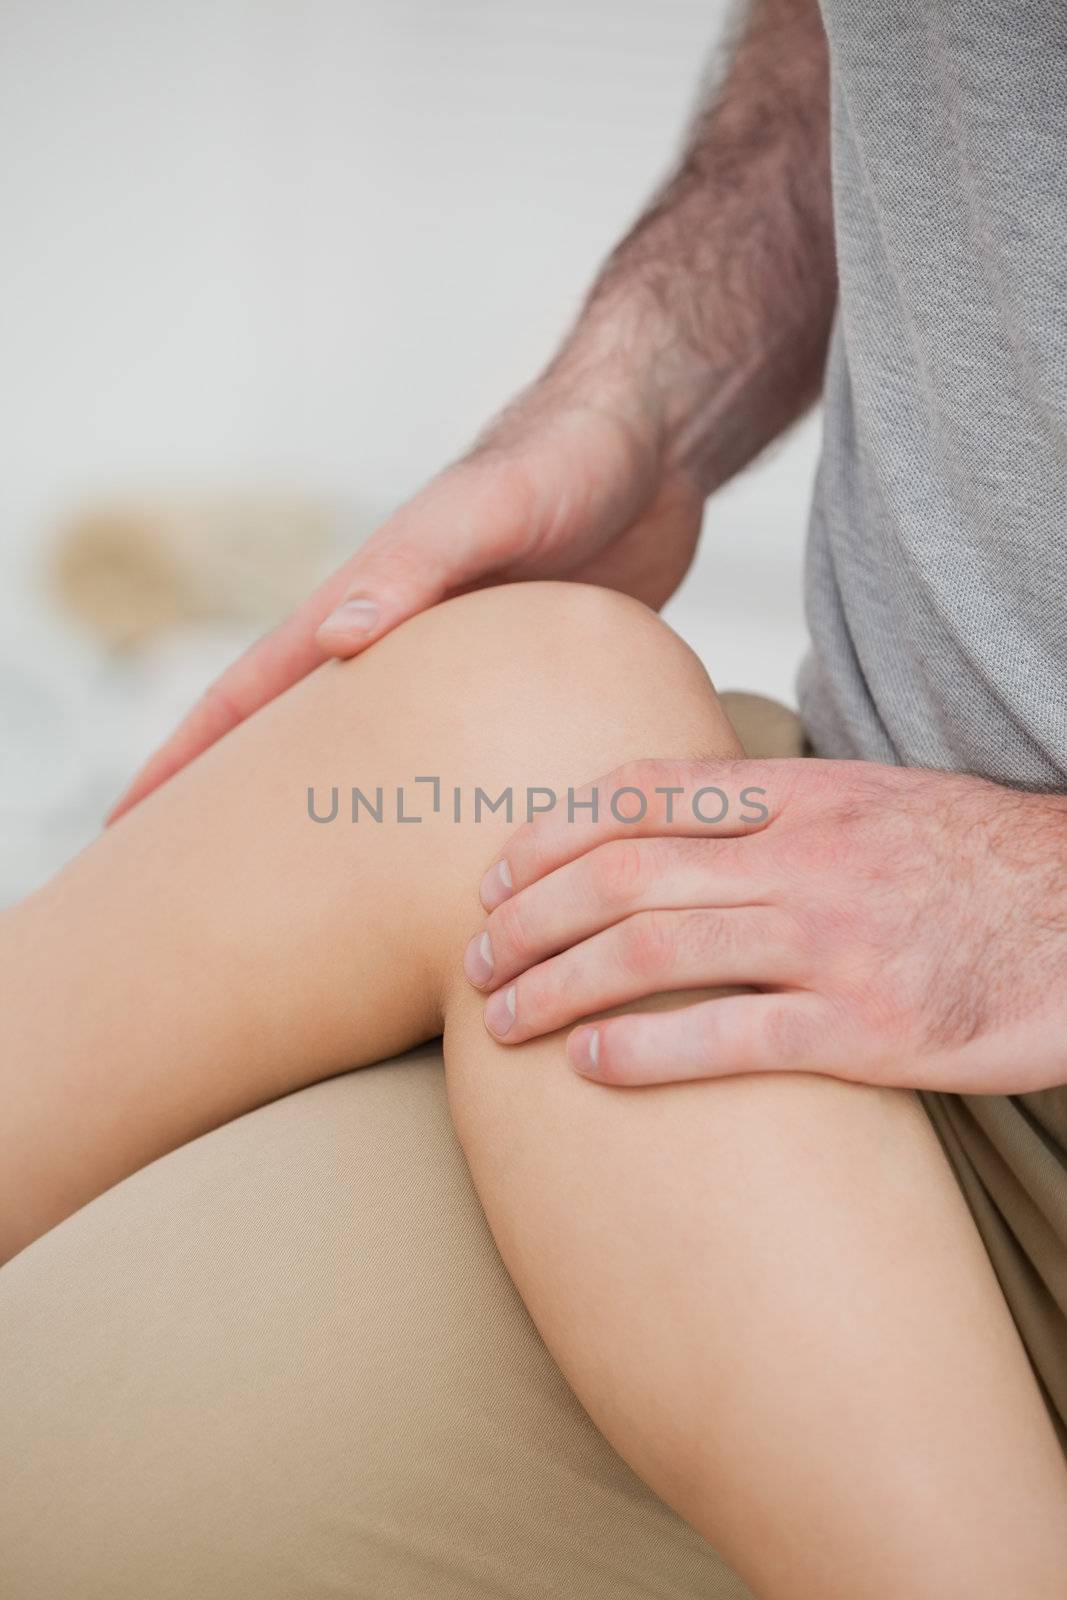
{"x": 534, "y": 616}
{"x": 570, "y": 662}
{"x": 574, "y": 634}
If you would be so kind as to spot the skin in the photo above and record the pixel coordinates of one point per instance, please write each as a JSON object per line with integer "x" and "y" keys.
{"x": 736, "y": 1277}
{"x": 664, "y": 1239}
{"x": 901, "y": 926}
{"x": 703, "y": 337}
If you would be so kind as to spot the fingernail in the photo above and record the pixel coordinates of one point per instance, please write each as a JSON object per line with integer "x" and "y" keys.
{"x": 584, "y": 1050}
{"x": 478, "y": 960}
{"x": 496, "y": 885}
{"x": 353, "y": 616}
{"x": 500, "y": 1012}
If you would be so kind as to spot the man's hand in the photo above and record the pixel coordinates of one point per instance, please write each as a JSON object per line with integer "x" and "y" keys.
{"x": 898, "y": 926}
{"x": 703, "y": 337}
{"x": 570, "y": 482}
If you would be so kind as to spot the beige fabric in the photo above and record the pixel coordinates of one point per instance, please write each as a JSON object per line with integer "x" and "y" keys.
{"x": 285, "y": 1363}
{"x": 1009, "y": 1154}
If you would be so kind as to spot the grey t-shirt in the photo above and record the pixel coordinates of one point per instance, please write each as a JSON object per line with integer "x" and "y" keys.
{"x": 937, "y": 558}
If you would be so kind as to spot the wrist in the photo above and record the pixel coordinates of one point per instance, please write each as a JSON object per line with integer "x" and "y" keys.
{"x": 601, "y": 388}
{"x": 624, "y": 367}
{"x": 701, "y": 407}
{"x": 624, "y": 356}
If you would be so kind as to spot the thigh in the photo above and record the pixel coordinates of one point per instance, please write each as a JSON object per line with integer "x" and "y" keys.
{"x": 286, "y": 1361}
{"x": 1008, "y": 1153}
{"x": 770, "y": 1295}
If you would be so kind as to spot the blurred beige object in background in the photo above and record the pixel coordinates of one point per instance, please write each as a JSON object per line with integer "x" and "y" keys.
{"x": 132, "y": 570}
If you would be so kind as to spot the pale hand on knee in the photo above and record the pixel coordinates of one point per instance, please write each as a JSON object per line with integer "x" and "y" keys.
{"x": 898, "y": 926}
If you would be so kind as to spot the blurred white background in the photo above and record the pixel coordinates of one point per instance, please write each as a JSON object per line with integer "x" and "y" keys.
{"x": 308, "y": 246}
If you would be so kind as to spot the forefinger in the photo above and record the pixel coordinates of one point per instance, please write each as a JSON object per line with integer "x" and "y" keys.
{"x": 698, "y": 799}
{"x": 266, "y": 669}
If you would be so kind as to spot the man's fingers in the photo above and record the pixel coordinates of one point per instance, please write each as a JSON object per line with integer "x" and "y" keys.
{"x": 406, "y": 581}
{"x": 452, "y": 534}
{"x": 700, "y": 799}
{"x": 607, "y": 885}
{"x": 270, "y": 666}
{"x": 781, "y": 1032}
{"x": 653, "y": 952}
{"x": 202, "y": 726}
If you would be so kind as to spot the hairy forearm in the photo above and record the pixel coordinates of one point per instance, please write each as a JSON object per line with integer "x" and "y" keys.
{"x": 716, "y": 307}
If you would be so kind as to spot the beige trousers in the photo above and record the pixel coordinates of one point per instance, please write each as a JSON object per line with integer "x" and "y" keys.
{"x": 286, "y": 1363}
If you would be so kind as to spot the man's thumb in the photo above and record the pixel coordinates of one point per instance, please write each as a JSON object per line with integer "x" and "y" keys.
{"x": 388, "y": 581}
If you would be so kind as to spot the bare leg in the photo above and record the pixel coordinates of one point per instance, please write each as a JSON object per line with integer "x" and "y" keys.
{"x": 768, "y": 1293}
